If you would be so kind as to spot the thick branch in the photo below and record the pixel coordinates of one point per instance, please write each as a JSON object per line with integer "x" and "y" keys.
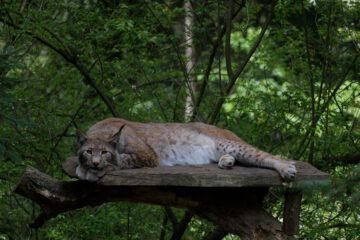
{"x": 180, "y": 229}
{"x": 170, "y": 214}
{"x": 225, "y": 197}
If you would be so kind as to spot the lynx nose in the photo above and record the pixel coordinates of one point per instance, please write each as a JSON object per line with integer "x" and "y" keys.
{"x": 96, "y": 164}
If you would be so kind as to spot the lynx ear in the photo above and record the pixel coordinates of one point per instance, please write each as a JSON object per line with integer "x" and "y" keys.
{"x": 81, "y": 138}
{"x": 115, "y": 138}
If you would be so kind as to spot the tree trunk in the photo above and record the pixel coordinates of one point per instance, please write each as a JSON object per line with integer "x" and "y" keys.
{"x": 190, "y": 58}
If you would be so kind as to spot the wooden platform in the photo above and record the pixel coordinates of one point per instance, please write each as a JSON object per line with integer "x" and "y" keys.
{"x": 200, "y": 176}
{"x": 231, "y": 199}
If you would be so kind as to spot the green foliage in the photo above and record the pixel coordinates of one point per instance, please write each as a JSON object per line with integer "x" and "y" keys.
{"x": 297, "y": 97}
{"x": 114, "y": 220}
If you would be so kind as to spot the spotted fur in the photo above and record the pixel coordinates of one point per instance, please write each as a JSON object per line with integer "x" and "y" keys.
{"x": 166, "y": 144}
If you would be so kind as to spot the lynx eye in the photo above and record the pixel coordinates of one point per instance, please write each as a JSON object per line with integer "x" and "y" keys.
{"x": 104, "y": 152}
{"x": 89, "y": 151}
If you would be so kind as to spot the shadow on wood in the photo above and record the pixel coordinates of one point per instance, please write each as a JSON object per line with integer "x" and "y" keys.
{"x": 231, "y": 199}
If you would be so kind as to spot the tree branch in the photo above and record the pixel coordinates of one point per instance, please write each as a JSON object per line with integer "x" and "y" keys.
{"x": 312, "y": 91}
{"x": 163, "y": 230}
{"x": 73, "y": 117}
{"x": 303, "y": 146}
{"x": 178, "y": 53}
{"x": 171, "y": 216}
{"x": 241, "y": 67}
{"x": 253, "y": 49}
{"x": 180, "y": 229}
{"x": 228, "y": 24}
{"x": 344, "y": 160}
{"x": 215, "y": 46}
{"x": 240, "y": 213}
{"x": 87, "y": 79}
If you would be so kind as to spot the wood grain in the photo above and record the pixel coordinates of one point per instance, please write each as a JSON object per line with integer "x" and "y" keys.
{"x": 200, "y": 176}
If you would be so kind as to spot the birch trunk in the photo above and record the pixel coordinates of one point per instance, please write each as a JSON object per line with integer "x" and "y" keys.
{"x": 190, "y": 56}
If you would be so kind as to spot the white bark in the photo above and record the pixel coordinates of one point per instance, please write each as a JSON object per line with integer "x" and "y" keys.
{"x": 190, "y": 55}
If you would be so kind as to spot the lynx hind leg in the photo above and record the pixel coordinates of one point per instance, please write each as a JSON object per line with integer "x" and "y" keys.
{"x": 249, "y": 155}
{"x": 226, "y": 161}
{"x": 286, "y": 169}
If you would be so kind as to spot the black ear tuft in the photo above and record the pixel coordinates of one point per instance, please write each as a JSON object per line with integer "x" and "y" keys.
{"x": 81, "y": 138}
{"x": 116, "y": 137}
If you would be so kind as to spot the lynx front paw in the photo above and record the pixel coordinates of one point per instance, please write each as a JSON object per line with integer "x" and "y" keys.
{"x": 288, "y": 171}
{"x": 226, "y": 161}
{"x": 105, "y": 170}
{"x": 91, "y": 177}
{"x": 84, "y": 174}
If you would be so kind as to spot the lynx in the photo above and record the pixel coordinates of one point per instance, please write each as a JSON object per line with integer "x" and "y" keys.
{"x": 115, "y": 143}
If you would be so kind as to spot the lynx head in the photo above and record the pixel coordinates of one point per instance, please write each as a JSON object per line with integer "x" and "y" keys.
{"x": 95, "y": 153}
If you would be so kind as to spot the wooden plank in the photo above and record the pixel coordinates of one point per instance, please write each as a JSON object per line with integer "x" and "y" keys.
{"x": 200, "y": 176}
